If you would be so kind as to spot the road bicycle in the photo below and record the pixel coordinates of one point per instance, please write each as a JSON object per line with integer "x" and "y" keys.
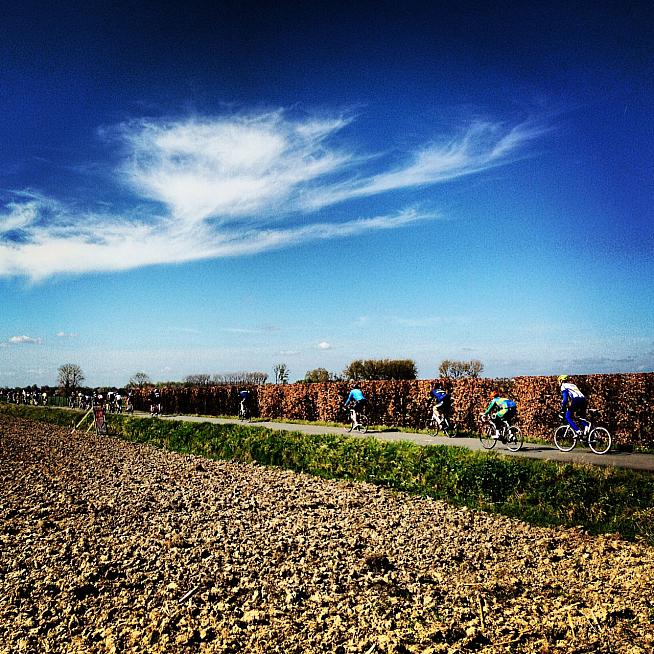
{"x": 243, "y": 412}
{"x": 510, "y": 435}
{"x": 358, "y": 422}
{"x": 598, "y": 439}
{"x": 437, "y": 422}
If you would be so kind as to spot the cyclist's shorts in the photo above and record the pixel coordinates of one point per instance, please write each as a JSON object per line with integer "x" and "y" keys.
{"x": 507, "y": 414}
{"x": 359, "y": 404}
{"x": 577, "y": 405}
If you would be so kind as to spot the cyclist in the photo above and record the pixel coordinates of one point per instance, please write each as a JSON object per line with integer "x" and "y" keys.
{"x": 244, "y": 394}
{"x": 358, "y": 401}
{"x": 442, "y": 401}
{"x": 573, "y": 403}
{"x": 503, "y": 409}
{"x": 155, "y": 403}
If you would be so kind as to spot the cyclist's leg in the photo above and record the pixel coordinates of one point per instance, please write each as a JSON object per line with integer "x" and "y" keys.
{"x": 581, "y": 415}
{"x": 360, "y": 407}
{"x": 497, "y": 419}
{"x": 570, "y": 414}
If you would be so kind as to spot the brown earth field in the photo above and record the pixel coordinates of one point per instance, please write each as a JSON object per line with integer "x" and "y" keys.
{"x": 107, "y": 546}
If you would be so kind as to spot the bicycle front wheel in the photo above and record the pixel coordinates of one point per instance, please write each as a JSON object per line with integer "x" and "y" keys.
{"x": 565, "y": 438}
{"x": 599, "y": 440}
{"x": 487, "y": 437}
{"x": 514, "y": 438}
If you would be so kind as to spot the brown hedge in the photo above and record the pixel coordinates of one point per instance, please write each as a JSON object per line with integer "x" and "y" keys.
{"x": 624, "y": 402}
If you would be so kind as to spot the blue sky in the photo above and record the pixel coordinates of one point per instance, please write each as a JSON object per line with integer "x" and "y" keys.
{"x": 218, "y": 187}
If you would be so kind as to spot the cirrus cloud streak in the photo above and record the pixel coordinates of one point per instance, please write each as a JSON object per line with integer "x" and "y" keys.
{"x": 232, "y": 186}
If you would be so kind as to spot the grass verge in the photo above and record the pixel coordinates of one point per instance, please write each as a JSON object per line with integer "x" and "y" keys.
{"x": 599, "y": 499}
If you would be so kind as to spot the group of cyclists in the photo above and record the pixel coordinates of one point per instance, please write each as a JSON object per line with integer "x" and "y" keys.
{"x": 23, "y": 396}
{"x": 500, "y": 409}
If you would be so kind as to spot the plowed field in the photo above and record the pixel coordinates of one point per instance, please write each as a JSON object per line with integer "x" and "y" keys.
{"x": 106, "y": 546}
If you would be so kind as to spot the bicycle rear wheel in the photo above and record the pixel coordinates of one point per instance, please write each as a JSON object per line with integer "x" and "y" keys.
{"x": 599, "y": 440}
{"x": 363, "y": 424}
{"x": 486, "y": 436}
{"x": 514, "y": 438}
{"x": 565, "y": 438}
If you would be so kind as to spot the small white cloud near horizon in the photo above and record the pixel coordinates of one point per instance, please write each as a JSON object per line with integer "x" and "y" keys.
{"x": 236, "y": 185}
{"x": 324, "y": 345}
{"x": 66, "y": 335}
{"x": 24, "y": 340}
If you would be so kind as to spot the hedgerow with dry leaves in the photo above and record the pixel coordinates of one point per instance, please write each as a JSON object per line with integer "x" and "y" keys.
{"x": 624, "y": 402}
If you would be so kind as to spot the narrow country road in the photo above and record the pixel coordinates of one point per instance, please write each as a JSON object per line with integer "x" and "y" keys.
{"x": 580, "y": 454}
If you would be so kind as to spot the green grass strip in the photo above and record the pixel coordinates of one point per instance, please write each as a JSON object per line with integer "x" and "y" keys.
{"x": 597, "y": 498}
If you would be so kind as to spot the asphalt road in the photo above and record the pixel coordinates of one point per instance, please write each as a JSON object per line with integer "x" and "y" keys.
{"x": 580, "y": 454}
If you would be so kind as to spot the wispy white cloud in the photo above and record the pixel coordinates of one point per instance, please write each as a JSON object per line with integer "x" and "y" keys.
{"x": 18, "y": 216}
{"x": 263, "y": 329}
{"x": 65, "y": 335}
{"x": 324, "y": 345}
{"x": 231, "y": 186}
{"x": 24, "y": 340}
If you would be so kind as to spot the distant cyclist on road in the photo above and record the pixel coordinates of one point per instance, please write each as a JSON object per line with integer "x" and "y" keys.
{"x": 358, "y": 401}
{"x": 500, "y": 409}
{"x": 244, "y": 409}
{"x": 573, "y": 402}
{"x": 442, "y": 402}
{"x": 155, "y": 402}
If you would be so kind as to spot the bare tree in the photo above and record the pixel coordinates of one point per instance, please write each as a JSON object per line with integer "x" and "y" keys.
{"x": 237, "y": 378}
{"x": 202, "y": 379}
{"x": 140, "y": 379}
{"x": 281, "y": 373}
{"x": 456, "y": 369}
{"x": 70, "y": 377}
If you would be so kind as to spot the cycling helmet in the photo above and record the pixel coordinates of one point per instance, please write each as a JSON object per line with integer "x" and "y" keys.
{"x": 561, "y": 378}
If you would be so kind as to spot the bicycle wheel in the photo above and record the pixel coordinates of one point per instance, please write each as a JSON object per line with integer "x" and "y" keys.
{"x": 565, "y": 438}
{"x": 446, "y": 428}
{"x": 514, "y": 438}
{"x": 599, "y": 440}
{"x": 486, "y": 436}
{"x": 363, "y": 424}
{"x": 350, "y": 427}
{"x": 432, "y": 427}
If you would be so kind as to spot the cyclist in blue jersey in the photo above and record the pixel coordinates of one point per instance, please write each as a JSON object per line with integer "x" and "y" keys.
{"x": 573, "y": 403}
{"x": 358, "y": 401}
{"x": 503, "y": 409}
{"x": 442, "y": 402}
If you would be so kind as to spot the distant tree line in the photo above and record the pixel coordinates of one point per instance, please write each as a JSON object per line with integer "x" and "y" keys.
{"x": 228, "y": 378}
{"x": 381, "y": 369}
{"x": 393, "y": 369}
